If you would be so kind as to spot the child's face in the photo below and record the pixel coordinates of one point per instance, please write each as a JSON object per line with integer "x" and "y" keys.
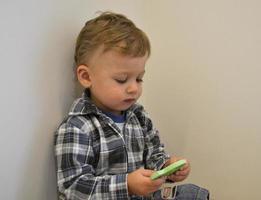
{"x": 115, "y": 80}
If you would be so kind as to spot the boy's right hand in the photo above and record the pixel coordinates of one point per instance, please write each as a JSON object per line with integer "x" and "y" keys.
{"x": 140, "y": 183}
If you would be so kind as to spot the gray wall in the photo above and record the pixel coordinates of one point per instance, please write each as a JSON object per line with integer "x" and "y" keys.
{"x": 36, "y": 89}
{"x": 203, "y": 90}
{"x": 37, "y": 40}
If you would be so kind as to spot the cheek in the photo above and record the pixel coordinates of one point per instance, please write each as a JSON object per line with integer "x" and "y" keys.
{"x": 114, "y": 90}
{"x": 117, "y": 90}
{"x": 140, "y": 90}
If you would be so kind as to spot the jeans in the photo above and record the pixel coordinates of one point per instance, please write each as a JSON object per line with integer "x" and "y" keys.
{"x": 181, "y": 192}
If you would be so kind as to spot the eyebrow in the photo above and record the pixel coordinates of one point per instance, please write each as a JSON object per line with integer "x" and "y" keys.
{"x": 126, "y": 73}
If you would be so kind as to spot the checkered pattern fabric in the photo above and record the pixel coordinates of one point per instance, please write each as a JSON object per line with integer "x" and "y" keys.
{"x": 93, "y": 157}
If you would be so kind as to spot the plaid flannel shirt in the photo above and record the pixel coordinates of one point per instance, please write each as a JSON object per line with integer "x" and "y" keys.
{"x": 93, "y": 157}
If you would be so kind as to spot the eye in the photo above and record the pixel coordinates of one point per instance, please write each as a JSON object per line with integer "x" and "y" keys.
{"x": 121, "y": 81}
{"x": 139, "y": 80}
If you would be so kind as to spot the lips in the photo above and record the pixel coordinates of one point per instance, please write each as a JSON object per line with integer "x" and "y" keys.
{"x": 129, "y": 100}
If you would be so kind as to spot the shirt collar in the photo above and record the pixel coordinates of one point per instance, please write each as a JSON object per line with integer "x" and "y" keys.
{"x": 84, "y": 106}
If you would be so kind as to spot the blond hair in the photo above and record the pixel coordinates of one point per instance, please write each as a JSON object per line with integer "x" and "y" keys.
{"x": 114, "y": 32}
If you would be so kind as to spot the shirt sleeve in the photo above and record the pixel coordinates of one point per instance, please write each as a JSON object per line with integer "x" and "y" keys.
{"x": 75, "y": 169}
{"x": 154, "y": 153}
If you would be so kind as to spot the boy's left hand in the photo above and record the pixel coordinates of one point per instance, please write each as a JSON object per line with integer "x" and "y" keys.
{"x": 181, "y": 174}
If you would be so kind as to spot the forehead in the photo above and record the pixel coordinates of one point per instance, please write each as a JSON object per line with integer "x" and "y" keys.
{"x": 114, "y": 61}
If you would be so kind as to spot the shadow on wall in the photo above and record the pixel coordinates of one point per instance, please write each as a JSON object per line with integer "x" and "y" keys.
{"x": 39, "y": 178}
{"x": 78, "y": 89}
{"x": 52, "y": 92}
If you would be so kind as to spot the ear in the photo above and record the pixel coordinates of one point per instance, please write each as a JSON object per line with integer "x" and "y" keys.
{"x": 83, "y": 75}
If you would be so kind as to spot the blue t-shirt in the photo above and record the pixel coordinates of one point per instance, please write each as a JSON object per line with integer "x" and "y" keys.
{"x": 119, "y": 120}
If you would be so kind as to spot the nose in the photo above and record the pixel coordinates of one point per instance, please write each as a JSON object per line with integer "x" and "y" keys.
{"x": 132, "y": 87}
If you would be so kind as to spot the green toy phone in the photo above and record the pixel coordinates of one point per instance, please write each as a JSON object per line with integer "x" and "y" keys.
{"x": 168, "y": 170}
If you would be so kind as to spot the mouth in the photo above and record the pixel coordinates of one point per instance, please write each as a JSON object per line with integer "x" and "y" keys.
{"x": 129, "y": 100}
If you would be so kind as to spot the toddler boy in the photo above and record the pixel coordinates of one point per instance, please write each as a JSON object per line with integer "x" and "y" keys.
{"x": 107, "y": 146}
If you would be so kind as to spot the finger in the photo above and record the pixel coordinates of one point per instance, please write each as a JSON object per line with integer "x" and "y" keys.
{"x": 180, "y": 176}
{"x": 159, "y": 181}
{"x": 176, "y": 178}
{"x": 187, "y": 165}
{"x": 156, "y": 184}
{"x": 184, "y": 167}
{"x": 147, "y": 172}
{"x": 177, "y": 175}
{"x": 182, "y": 172}
{"x": 174, "y": 159}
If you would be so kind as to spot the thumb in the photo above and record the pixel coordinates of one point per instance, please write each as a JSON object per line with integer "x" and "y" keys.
{"x": 147, "y": 172}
